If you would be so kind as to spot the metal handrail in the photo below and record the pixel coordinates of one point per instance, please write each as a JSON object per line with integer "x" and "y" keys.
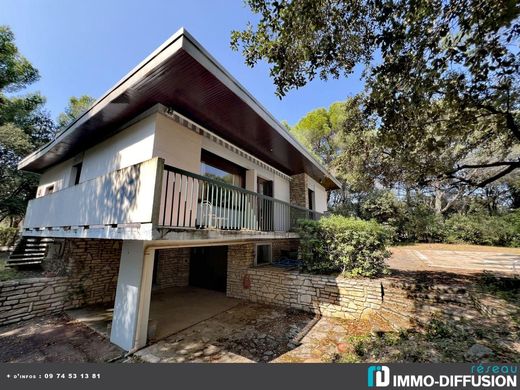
{"x": 234, "y": 188}
{"x": 226, "y": 206}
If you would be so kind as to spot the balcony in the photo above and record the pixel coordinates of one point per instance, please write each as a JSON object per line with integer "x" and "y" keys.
{"x": 135, "y": 202}
{"x": 192, "y": 201}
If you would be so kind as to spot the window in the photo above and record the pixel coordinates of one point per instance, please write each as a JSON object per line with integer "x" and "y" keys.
{"x": 263, "y": 254}
{"x": 217, "y": 168}
{"x": 75, "y": 174}
{"x": 311, "y": 199}
{"x": 49, "y": 189}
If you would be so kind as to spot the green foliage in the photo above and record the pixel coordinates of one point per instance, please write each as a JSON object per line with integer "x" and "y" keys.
{"x": 441, "y": 76}
{"x": 421, "y": 224}
{"x": 483, "y": 229}
{"x": 318, "y": 131}
{"x": 383, "y": 206}
{"x": 414, "y": 220}
{"x": 345, "y": 140}
{"x": 16, "y": 72}
{"x": 341, "y": 244}
{"x": 8, "y": 236}
{"x": 76, "y": 107}
{"x": 24, "y": 126}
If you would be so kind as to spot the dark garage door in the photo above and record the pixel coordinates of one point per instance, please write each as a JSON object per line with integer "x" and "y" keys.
{"x": 208, "y": 267}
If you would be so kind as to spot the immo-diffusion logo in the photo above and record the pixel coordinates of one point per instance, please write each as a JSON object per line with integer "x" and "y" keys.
{"x": 479, "y": 376}
{"x": 378, "y": 376}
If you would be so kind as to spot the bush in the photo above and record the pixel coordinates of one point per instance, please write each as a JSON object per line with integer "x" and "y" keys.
{"x": 343, "y": 244}
{"x": 512, "y": 220}
{"x": 382, "y": 206}
{"x": 483, "y": 229}
{"x": 8, "y": 236}
{"x": 421, "y": 224}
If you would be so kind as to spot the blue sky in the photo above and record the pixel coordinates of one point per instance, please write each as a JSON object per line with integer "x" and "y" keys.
{"x": 84, "y": 47}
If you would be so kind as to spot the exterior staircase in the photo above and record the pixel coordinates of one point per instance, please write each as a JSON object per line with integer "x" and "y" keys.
{"x": 29, "y": 251}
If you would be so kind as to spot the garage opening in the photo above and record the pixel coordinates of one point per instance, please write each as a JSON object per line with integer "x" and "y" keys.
{"x": 208, "y": 268}
{"x": 188, "y": 286}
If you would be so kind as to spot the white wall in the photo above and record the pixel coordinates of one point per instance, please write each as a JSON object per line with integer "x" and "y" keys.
{"x": 58, "y": 175}
{"x": 124, "y": 196}
{"x": 181, "y": 148}
{"x": 131, "y": 146}
{"x": 177, "y": 145}
{"x": 320, "y": 194}
{"x": 281, "y": 189}
{"x": 156, "y": 136}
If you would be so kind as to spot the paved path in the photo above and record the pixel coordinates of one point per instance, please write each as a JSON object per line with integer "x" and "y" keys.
{"x": 428, "y": 258}
{"x": 251, "y": 332}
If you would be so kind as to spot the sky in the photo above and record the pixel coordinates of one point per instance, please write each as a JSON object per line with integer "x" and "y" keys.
{"x": 85, "y": 47}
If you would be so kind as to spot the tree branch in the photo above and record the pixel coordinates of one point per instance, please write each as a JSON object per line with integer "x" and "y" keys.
{"x": 515, "y": 164}
{"x": 510, "y": 119}
{"x": 511, "y": 166}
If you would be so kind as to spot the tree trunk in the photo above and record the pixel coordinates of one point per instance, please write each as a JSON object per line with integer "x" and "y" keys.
{"x": 438, "y": 200}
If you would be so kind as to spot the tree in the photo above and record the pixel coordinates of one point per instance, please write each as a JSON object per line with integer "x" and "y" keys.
{"x": 76, "y": 107}
{"x": 448, "y": 66}
{"x": 24, "y": 126}
{"x": 319, "y": 131}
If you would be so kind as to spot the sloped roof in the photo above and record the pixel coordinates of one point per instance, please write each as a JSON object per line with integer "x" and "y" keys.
{"x": 182, "y": 75}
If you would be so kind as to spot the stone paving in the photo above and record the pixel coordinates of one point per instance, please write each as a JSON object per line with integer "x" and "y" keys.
{"x": 253, "y": 332}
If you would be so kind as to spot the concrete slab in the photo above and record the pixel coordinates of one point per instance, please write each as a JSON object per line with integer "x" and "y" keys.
{"x": 98, "y": 318}
{"x": 246, "y": 333}
{"x": 172, "y": 310}
{"x": 54, "y": 339}
{"x": 177, "y": 308}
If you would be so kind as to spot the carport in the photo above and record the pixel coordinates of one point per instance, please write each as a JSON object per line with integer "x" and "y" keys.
{"x": 161, "y": 293}
{"x": 189, "y": 286}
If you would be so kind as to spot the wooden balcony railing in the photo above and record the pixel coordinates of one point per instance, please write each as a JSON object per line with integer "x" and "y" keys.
{"x": 193, "y": 201}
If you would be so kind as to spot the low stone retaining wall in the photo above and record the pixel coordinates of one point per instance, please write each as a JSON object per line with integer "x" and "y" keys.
{"x": 326, "y": 295}
{"x": 27, "y": 298}
{"x": 87, "y": 270}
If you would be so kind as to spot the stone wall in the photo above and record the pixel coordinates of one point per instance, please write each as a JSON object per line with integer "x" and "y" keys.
{"x": 27, "y": 298}
{"x": 173, "y": 267}
{"x": 326, "y": 295}
{"x": 287, "y": 245}
{"x": 299, "y": 190}
{"x": 87, "y": 269}
{"x": 240, "y": 259}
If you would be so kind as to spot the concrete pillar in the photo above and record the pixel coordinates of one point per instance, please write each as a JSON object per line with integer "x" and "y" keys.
{"x": 133, "y": 294}
{"x": 251, "y": 180}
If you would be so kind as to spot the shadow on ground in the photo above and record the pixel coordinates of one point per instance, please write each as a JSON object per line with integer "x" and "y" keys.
{"x": 54, "y": 339}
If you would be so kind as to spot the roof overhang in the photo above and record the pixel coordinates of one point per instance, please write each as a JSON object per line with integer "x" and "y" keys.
{"x": 181, "y": 74}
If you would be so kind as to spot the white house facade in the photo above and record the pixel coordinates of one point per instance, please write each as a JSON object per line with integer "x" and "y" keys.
{"x": 176, "y": 155}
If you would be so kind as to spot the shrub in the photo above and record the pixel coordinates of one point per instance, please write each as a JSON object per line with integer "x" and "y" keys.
{"x": 343, "y": 244}
{"x": 512, "y": 220}
{"x": 383, "y": 206}
{"x": 421, "y": 224}
{"x": 8, "y": 236}
{"x": 483, "y": 229}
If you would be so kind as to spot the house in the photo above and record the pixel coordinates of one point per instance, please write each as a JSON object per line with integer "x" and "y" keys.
{"x": 180, "y": 168}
